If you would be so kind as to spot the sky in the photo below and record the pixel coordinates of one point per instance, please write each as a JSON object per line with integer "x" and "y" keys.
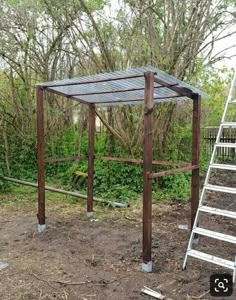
{"x": 222, "y": 44}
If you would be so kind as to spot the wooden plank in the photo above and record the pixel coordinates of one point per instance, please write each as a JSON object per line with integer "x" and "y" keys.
{"x": 195, "y": 183}
{"x": 60, "y": 191}
{"x": 117, "y": 90}
{"x": 185, "y": 92}
{"x": 40, "y": 147}
{"x": 140, "y": 161}
{"x": 91, "y": 135}
{"x": 135, "y": 99}
{"x": 93, "y": 81}
{"x": 147, "y": 169}
{"x": 172, "y": 171}
{"x": 66, "y": 95}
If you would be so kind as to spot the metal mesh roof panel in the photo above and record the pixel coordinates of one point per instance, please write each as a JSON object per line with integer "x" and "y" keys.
{"x": 118, "y": 87}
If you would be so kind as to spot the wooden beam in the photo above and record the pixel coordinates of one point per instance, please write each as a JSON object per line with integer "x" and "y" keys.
{"x": 135, "y": 99}
{"x": 184, "y": 92}
{"x": 50, "y": 84}
{"x": 66, "y": 95}
{"x": 140, "y": 161}
{"x": 147, "y": 169}
{"x": 195, "y": 184}
{"x": 40, "y": 147}
{"x": 119, "y": 159}
{"x": 172, "y": 171}
{"x": 60, "y": 191}
{"x": 117, "y": 90}
{"x": 91, "y": 136}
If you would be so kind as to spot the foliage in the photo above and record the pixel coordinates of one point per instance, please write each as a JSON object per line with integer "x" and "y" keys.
{"x": 4, "y": 185}
{"x": 47, "y": 40}
{"x": 216, "y": 83}
{"x": 175, "y": 187}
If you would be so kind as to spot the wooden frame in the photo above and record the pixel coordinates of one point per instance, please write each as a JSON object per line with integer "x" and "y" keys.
{"x": 147, "y": 161}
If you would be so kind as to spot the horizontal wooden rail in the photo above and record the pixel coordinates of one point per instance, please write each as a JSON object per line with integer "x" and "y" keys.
{"x": 119, "y": 90}
{"x": 172, "y": 171}
{"x": 92, "y": 80}
{"x": 136, "y": 99}
{"x": 49, "y": 160}
{"x": 140, "y": 161}
{"x": 119, "y": 159}
{"x": 52, "y": 189}
{"x": 185, "y": 92}
{"x": 66, "y": 96}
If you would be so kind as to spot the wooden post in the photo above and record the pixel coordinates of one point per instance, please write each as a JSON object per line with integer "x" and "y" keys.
{"x": 195, "y": 156}
{"x": 147, "y": 169}
{"x": 40, "y": 147}
{"x": 91, "y": 133}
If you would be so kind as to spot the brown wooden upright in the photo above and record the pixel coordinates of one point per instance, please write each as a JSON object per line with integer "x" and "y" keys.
{"x": 91, "y": 135}
{"x": 195, "y": 184}
{"x": 147, "y": 170}
{"x": 40, "y": 147}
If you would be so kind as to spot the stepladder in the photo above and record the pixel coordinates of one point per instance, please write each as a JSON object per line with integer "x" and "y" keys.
{"x": 215, "y": 214}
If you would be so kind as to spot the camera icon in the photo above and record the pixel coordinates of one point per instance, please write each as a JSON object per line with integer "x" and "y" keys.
{"x": 221, "y": 285}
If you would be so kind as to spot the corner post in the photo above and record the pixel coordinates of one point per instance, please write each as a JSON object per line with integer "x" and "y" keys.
{"x": 40, "y": 148}
{"x": 91, "y": 133}
{"x": 195, "y": 184}
{"x": 147, "y": 169}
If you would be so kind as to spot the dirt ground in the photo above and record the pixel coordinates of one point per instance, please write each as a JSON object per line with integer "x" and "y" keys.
{"x": 100, "y": 259}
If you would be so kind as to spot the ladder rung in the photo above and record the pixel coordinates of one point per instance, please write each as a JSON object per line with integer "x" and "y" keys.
{"x": 233, "y": 101}
{"x": 217, "y": 211}
{"x": 212, "y": 259}
{"x": 219, "y": 188}
{"x": 226, "y": 145}
{"x": 223, "y": 166}
{"x": 231, "y": 124}
{"x": 215, "y": 235}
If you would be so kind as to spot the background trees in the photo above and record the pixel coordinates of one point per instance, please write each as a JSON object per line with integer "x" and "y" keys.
{"x": 49, "y": 39}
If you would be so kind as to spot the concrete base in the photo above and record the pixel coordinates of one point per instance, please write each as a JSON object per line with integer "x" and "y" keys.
{"x": 147, "y": 267}
{"x": 3, "y": 265}
{"x": 41, "y": 228}
{"x": 183, "y": 226}
{"x": 89, "y": 214}
{"x": 196, "y": 240}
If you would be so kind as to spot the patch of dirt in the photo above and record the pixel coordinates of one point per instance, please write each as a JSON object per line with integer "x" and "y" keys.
{"x": 101, "y": 259}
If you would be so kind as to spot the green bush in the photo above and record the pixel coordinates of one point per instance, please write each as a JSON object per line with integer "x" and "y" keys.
{"x": 112, "y": 180}
{"x": 4, "y": 185}
{"x": 176, "y": 186}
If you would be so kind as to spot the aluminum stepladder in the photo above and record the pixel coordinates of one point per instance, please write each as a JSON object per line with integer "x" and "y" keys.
{"x": 209, "y": 187}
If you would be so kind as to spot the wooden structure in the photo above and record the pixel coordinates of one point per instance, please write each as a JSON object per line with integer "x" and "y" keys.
{"x": 146, "y": 85}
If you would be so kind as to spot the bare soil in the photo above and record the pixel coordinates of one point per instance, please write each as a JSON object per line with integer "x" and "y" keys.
{"x": 100, "y": 259}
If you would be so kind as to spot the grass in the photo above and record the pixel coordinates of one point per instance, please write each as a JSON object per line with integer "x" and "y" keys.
{"x": 23, "y": 200}
{"x": 23, "y": 195}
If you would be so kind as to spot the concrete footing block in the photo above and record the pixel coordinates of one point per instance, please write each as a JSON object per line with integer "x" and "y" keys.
{"x": 41, "y": 227}
{"x": 147, "y": 267}
{"x": 89, "y": 214}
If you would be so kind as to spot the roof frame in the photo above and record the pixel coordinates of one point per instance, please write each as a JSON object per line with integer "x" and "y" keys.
{"x": 158, "y": 84}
